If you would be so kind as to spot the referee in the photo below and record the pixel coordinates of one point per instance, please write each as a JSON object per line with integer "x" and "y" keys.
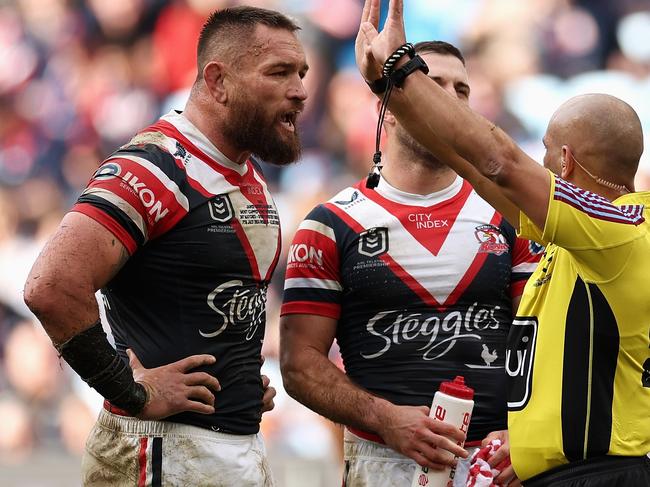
{"x": 579, "y": 351}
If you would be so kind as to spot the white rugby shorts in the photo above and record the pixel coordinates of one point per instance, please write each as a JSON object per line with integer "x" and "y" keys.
{"x": 125, "y": 451}
{"x": 371, "y": 464}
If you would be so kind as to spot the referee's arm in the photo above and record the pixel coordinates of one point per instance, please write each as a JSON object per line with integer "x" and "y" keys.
{"x": 440, "y": 123}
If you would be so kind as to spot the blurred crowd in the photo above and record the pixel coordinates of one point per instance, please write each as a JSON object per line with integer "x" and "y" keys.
{"x": 79, "y": 77}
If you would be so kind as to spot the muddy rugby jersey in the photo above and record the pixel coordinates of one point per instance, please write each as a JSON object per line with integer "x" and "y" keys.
{"x": 204, "y": 238}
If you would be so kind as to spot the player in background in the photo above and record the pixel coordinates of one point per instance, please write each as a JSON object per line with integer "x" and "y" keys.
{"x": 418, "y": 281}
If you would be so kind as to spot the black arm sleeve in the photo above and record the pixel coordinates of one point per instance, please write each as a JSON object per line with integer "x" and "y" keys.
{"x": 92, "y": 357}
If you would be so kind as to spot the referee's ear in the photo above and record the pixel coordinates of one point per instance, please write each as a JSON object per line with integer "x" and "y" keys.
{"x": 566, "y": 164}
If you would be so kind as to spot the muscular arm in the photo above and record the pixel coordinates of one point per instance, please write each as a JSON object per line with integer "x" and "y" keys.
{"x": 79, "y": 259}
{"x": 486, "y": 188}
{"x": 436, "y": 119}
{"x": 312, "y": 379}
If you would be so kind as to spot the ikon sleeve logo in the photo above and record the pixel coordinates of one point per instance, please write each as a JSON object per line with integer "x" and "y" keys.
{"x": 220, "y": 208}
{"x": 305, "y": 253}
{"x": 373, "y": 242}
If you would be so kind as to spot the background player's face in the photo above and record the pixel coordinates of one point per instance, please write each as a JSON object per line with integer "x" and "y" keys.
{"x": 448, "y": 71}
{"x": 269, "y": 96}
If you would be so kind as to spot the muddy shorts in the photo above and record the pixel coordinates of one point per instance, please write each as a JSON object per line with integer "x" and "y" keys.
{"x": 371, "y": 464}
{"x": 125, "y": 451}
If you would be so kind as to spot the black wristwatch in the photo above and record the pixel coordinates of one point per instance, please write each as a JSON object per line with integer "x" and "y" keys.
{"x": 399, "y": 75}
{"x": 379, "y": 85}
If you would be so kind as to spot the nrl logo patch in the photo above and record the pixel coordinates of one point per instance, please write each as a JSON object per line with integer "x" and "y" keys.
{"x": 373, "y": 242}
{"x": 220, "y": 208}
{"x": 491, "y": 240}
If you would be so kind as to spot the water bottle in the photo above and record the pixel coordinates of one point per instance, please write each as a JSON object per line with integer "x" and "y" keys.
{"x": 453, "y": 404}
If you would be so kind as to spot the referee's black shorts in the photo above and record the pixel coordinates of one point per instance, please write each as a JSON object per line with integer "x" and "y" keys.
{"x": 608, "y": 471}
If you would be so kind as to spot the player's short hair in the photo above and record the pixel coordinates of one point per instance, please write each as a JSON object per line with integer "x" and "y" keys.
{"x": 228, "y": 31}
{"x": 439, "y": 47}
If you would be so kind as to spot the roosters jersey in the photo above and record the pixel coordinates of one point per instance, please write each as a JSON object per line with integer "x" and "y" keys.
{"x": 422, "y": 289}
{"x": 204, "y": 238}
{"x": 578, "y": 354}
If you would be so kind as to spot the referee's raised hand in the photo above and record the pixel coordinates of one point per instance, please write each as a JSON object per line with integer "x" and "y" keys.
{"x": 372, "y": 46}
{"x": 174, "y": 388}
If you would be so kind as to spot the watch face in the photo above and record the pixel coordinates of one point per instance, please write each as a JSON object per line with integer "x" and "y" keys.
{"x": 398, "y": 76}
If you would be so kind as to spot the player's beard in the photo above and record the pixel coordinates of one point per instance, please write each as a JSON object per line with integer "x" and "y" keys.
{"x": 253, "y": 129}
{"x": 418, "y": 151}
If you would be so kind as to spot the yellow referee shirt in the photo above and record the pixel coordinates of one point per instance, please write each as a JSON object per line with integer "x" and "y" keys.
{"x": 578, "y": 356}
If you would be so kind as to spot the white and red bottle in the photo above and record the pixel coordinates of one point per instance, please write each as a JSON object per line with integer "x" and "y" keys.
{"x": 453, "y": 404}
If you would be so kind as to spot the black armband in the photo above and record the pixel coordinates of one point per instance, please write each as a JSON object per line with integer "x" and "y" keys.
{"x": 92, "y": 357}
{"x": 399, "y": 75}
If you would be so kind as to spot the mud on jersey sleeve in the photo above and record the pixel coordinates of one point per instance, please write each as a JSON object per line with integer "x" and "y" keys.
{"x": 133, "y": 194}
{"x": 312, "y": 280}
{"x": 585, "y": 224}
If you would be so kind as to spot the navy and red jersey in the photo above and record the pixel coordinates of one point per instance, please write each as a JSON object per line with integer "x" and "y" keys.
{"x": 422, "y": 289}
{"x": 204, "y": 238}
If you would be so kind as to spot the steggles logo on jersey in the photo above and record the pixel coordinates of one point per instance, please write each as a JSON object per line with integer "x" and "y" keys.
{"x": 107, "y": 171}
{"x": 220, "y": 208}
{"x": 520, "y": 355}
{"x": 373, "y": 242}
{"x": 491, "y": 239}
{"x": 246, "y": 307}
{"x": 396, "y": 327}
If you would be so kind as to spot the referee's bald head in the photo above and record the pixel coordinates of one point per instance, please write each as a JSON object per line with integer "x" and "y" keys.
{"x": 604, "y": 132}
